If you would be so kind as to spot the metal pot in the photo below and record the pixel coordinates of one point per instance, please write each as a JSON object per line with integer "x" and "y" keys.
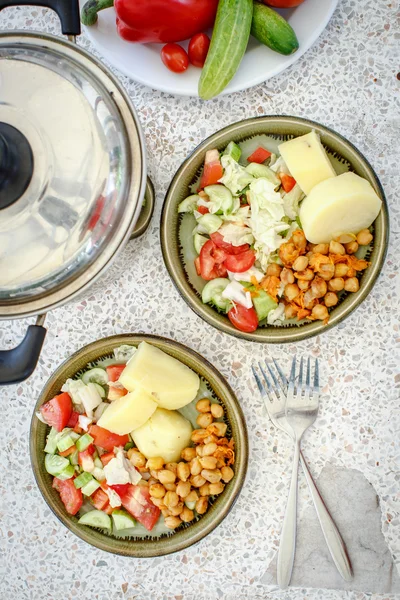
{"x": 72, "y": 176}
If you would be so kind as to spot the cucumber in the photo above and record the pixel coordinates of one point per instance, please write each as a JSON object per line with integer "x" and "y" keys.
{"x": 74, "y": 436}
{"x": 233, "y": 150}
{"x": 73, "y": 458}
{"x": 263, "y": 304}
{"x": 84, "y": 442}
{"x": 228, "y": 44}
{"x": 82, "y": 480}
{"x": 122, "y": 520}
{"x": 98, "y": 474}
{"x": 212, "y": 293}
{"x": 269, "y": 28}
{"x": 210, "y": 223}
{"x": 55, "y": 464}
{"x": 52, "y": 439}
{"x": 100, "y": 389}
{"x": 258, "y": 170}
{"x": 90, "y": 487}
{"x": 221, "y": 196}
{"x": 96, "y": 375}
{"x": 96, "y": 518}
{"x": 66, "y": 473}
{"x": 199, "y": 241}
{"x": 188, "y": 204}
{"x": 98, "y": 463}
{"x": 64, "y": 443}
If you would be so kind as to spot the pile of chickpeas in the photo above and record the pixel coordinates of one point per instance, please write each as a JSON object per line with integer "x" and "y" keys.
{"x": 314, "y": 274}
{"x": 182, "y": 489}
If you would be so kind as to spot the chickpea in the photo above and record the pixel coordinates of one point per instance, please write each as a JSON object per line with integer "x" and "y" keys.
{"x": 220, "y": 463}
{"x": 158, "y": 502}
{"x": 204, "y": 420}
{"x": 319, "y": 287}
{"x": 216, "y": 488}
{"x": 166, "y": 476}
{"x": 309, "y": 300}
{"x": 187, "y": 515}
{"x": 321, "y": 249}
{"x": 192, "y": 497}
{"x": 217, "y": 411}
{"x": 157, "y": 490}
{"x": 341, "y": 270}
{"x": 288, "y": 253}
{"x": 336, "y": 284}
{"x": 198, "y": 435}
{"x": 165, "y": 512}
{"x": 172, "y": 522}
{"x": 195, "y": 467}
{"x": 299, "y": 239}
{"x": 183, "y": 488}
{"x": 136, "y": 457}
{"x": 274, "y": 269}
{"x": 346, "y": 238}
{"x": 143, "y": 483}
{"x": 318, "y": 260}
{"x": 183, "y": 471}
{"x": 154, "y": 464}
{"x": 176, "y": 510}
{"x": 154, "y": 474}
{"x": 331, "y": 299}
{"x": 171, "y": 487}
{"x": 303, "y": 284}
{"x": 352, "y": 284}
{"x": 197, "y": 481}
{"x": 351, "y": 247}
{"x": 205, "y": 490}
{"x": 188, "y": 454}
{"x": 202, "y": 505}
{"x": 300, "y": 263}
{"x": 336, "y": 248}
{"x": 320, "y": 312}
{"x": 151, "y": 480}
{"x": 208, "y": 462}
{"x": 327, "y": 271}
{"x": 212, "y": 476}
{"x": 203, "y": 405}
{"x": 171, "y": 499}
{"x": 287, "y": 276}
{"x": 210, "y": 439}
{"x": 290, "y": 311}
{"x": 227, "y": 474}
{"x": 291, "y": 291}
{"x": 351, "y": 272}
{"x": 172, "y": 466}
{"x": 199, "y": 450}
{"x": 365, "y": 237}
{"x": 306, "y": 275}
{"x": 220, "y": 430}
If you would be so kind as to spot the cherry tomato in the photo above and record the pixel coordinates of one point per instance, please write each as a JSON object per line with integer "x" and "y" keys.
{"x": 114, "y": 372}
{"x": 57, "y": 412}
{"x": 229, "y": 248}
{"x": 238, "y": 263}
{"x": 175, "y": 58}
{"x": 198, "y": 49}
{"x": 105, "y": 439}
{"x": 244, "y": 319}
{"x": 283, "y": 3}
{"x": 70, "y": 496}
{"x": 288, "y": 182}
{"x": 259, "y": 156}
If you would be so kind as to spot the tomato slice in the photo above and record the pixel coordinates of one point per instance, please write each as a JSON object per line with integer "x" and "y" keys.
{"x": 221, "y": 270}
{"x": 207, "y": 262}
{"x": 212, "y": 171}
{"x": 116, "y": 391}
{"x": 218, "y": 240}
{"x": 105, "y": 458}
{"x": 114, "y": 372}
{"x": 99, "y": 499}
{"x": 70, "y": 496}
{"x": 68, "y": 451}
{"x": 105, "y": 439}
{"x": 108, "y": 509}
{"x": 57, "y": 412}
{"x": 136, "y": 500}
{"x": 288, "y": 182}
{"x": 202, "y": 209}
{"x": 259, "y": 155}
{"x": 73, "y": 420}
{"x": 244, "y": 319}
{"x": 238, "y": 263}
{"x": 197, "y": 265}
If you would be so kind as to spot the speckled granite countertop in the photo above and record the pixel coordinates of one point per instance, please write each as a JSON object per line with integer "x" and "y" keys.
{"x": 349, "y": 81}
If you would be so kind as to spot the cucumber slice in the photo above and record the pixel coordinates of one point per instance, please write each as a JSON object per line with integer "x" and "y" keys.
{"x": 64, "y": 443}
{"x": 98, "y": 463}
{"x": 221, "y": 197}
{"x": 67, "y": 473}
{"x": 90, "y": 488}
{"x": 233, "y": 150}
{"x": 73, "y": 458}
{"x": 258, "y": 170}
{"x": 188, "y": 204}
{"x": 98, "y": 474}
{"x": 96, "y": 375}
{"x": 52, "y": 439}
{"x": 199, "y": 241}
{"x": 82, "y": 479}
{"x": 84, "y": 442}
{"x": 263, "y": 303}
{"x": 210, "y": 223}
{"x": 74, "y": 436}
{"x": 96, "y": 518}
{"x": 100, "y": 389}
{"x": 122, "y": 520}
{"x": 212, "y": 293}
{"x": 55, "y": 464}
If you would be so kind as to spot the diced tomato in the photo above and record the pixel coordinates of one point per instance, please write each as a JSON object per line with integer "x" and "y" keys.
{"x": 105, "y": 458}
{"x": 57, "y": 412}
{"x": 221, "y": 270}
{"x": 238, "y": 263}
{"x": 73, "y": 419}
{"x": 86, "y": 455}
{"x": 99, "y": 499}
{"x": 114, "y": 372}
{"x": 70, "y": 496}
{"x": 212, "y": 171}
{"x": 218, "y": 240}
{"x": 259, "y": 156}
{"x": 207, "y": 261}
{"x": 136, "y": 500}
{"x": 288, "y": 182}
{"x": 116, "y": 391}
{"x": 105, "y": 439}
{"x": 197, "y": 265}
{"x": 203, "y": 210}
{"x": 68, "y": 451}
{"x": 244, "y": 319}
{"x": 108, "y": 509}
{"x": 78, "y": 429}
{"x": 120, "y": 488}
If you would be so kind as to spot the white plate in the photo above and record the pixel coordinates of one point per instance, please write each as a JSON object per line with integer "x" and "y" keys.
{"x": 142, "y": 62}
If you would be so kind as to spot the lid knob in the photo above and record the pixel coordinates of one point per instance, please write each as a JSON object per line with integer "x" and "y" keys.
{"x": 16, "y": 164}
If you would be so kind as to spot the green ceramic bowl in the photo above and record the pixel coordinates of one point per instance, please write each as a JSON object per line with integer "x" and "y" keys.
{"x": 282, "y": 128}
{"x": 186, "y": 535}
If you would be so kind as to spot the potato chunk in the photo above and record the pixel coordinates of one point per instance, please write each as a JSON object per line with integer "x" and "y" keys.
{"x": 129, "y": 412}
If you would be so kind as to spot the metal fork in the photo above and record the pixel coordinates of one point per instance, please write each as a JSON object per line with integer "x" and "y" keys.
{"x": 275, "y": 401}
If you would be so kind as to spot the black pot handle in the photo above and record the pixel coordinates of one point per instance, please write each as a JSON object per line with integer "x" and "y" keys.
{"x": 18, "y": 364}
{"x": 67, "y": 10}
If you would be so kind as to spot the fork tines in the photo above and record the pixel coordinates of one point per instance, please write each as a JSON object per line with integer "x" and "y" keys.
{"x": 277, "y": 386}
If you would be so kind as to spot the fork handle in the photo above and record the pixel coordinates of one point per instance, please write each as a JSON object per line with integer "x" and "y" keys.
{"x": 331, "y": 533}
{"x": 287, "y": 544}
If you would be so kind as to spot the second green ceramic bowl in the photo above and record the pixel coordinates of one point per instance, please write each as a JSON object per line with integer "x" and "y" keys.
{"x": 282, "y": 128}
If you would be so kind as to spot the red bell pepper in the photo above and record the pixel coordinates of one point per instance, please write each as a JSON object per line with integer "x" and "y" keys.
{"x": 148, "y": 21}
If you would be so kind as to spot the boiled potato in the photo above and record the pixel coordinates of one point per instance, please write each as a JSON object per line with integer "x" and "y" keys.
{"x": 165, "y": 434}
{"x": 345, "y": 204}
{"x": 129, "y": 412}
{"x": 172, "y": 383}
{"x": 307, "y": 160}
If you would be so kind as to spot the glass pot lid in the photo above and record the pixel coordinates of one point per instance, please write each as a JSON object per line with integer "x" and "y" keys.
{"x": 71, "y": 171}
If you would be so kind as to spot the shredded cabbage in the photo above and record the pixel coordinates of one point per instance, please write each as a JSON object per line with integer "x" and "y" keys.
{"x": 236, "y": 234}
{"x": 291, "y": 202}
{"x": 277, "y": 315}
{"x": 235, "y": 177}
{"x": 124, "y": 353}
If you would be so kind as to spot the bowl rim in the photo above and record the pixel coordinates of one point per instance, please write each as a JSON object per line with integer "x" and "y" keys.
{"x": 279, "y": 334}
{"x": 193, "y": 533}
